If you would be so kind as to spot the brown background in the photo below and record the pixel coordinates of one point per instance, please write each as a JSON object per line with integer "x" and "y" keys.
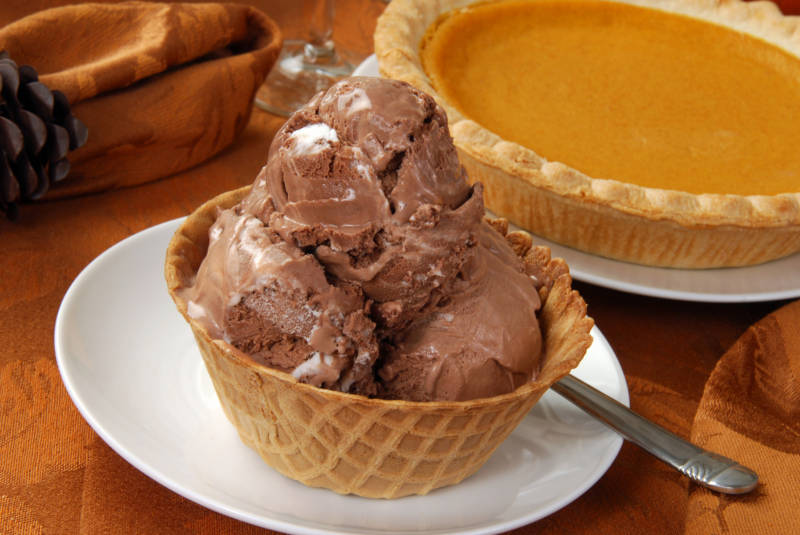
{"x": 57, "y": 476}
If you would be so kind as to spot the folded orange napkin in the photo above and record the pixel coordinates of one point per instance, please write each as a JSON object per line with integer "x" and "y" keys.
{"x": 750, "y": 411}
{"x": 161, "y": 87}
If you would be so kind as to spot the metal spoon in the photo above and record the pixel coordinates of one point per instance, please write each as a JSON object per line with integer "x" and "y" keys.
{"x": 708, "y": 469}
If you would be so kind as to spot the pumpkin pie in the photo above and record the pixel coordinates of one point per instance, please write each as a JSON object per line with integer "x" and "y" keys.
{"x": 661, "y": 132}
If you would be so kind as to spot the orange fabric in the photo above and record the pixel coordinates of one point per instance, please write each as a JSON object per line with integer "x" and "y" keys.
{"x": 751, "y": 411}
{"x": 161, "y": 87}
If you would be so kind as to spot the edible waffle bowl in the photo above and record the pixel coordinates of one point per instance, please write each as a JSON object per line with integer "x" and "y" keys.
{"x": 375, "y": 448}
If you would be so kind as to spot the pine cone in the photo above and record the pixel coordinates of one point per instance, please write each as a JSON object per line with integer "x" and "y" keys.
{"x": 36, "y": 132}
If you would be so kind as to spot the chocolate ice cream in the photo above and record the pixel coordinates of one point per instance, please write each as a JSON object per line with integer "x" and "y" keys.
{"x": 360, "y": 260}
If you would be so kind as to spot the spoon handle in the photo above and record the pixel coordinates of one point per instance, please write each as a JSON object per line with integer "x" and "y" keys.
{"x": 708, "y": 469}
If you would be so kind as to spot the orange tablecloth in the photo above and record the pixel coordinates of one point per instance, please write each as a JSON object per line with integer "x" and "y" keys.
{"x": 58, "y": 476}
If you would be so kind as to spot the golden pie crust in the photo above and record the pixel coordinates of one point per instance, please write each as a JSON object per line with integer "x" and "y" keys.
{"x": 617, "y": 219}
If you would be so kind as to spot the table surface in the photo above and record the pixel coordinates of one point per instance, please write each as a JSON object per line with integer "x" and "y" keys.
{"x": 667, "y": 348}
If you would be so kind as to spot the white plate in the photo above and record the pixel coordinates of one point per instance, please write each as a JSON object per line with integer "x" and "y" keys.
{"x": 779, "y": 279}
{"x": 130, "y": 364}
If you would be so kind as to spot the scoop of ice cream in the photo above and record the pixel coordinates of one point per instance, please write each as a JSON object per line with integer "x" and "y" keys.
{"x": 269, "y": 299}
{"x": 365, "y": 151}
{"x": 360, "y": 260}
{"x": 479, "y": 342}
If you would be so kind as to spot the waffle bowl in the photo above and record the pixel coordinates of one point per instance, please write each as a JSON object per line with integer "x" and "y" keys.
{"x": 375, "y": 448}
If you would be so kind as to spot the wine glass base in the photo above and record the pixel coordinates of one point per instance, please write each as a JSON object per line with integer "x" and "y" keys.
{"x": 297, "y": 76}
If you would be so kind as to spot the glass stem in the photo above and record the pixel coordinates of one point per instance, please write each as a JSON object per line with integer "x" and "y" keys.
{"x": 304, "y": 67}
{"x": 320, "y": 30}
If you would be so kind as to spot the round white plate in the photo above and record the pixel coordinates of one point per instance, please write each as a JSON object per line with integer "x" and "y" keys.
{"x": 130, "y": 364}
{"x": 779, "y": 279}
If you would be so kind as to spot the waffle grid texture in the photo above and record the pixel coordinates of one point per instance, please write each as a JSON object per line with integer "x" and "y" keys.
{"x": 372, "y": 447}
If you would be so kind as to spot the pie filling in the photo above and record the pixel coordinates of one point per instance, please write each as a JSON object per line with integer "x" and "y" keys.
{"x": 624, "y": 92}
